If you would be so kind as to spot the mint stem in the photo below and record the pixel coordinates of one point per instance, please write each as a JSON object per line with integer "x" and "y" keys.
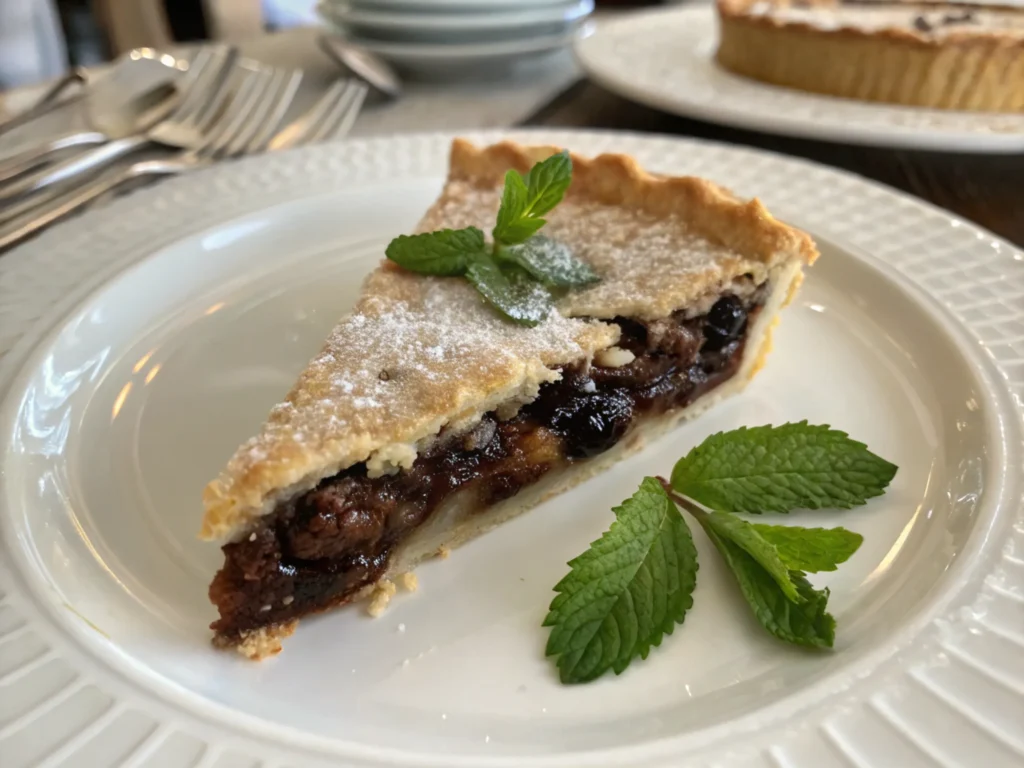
{"x": 692, "y": 507}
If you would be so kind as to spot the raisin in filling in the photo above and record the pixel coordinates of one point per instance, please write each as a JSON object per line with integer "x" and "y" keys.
{"x": 318, "y": 550}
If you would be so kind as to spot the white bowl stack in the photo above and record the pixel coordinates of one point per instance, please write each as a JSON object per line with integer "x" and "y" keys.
{"x": 458, "y": 37}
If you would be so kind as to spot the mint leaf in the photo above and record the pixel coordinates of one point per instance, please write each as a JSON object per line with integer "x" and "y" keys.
{"x": 514, "y": 202}
{"x": 513, "y": 293}
{"x": 516, "y": 287}
{"x": 547, "y": 182}
{"x": 746, "y": 537}
{"x": 779, "y": 469}
{"x": 445, "y": 252}
{"x": 520, "y": 230}
{"x": 524, "y": 201}
{"x": 549, "y": 261}
{"x": 811, "y": 549}
{"x": 802, "y": 623}
{"x": 627, "y": 591}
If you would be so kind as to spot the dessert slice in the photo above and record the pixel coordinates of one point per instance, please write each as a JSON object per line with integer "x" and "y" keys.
{"x": 967, "y": 56}
{"x": 429, "y": 418}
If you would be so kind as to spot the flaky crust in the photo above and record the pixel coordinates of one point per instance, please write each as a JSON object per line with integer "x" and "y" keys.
{"x": 970, "y": 67}
{"x": 259, "y": 644}
{"x": 421, "y": 353}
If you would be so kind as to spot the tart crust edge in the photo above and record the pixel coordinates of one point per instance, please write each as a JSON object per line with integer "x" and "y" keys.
{"x": 970, "y": 70}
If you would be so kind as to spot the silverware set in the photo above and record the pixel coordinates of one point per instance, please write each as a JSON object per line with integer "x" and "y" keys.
{"x": 221, "y": 109}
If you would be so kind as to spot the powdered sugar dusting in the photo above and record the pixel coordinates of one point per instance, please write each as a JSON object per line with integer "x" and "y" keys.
{"x": 556, "y": 254}
{"x": 928, "y": 19}
{"x": 415, "y": 353}
{"x": 649, "y": 266}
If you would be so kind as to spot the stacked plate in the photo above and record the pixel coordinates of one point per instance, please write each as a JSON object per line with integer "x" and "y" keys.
{"x": 458, "y": 36}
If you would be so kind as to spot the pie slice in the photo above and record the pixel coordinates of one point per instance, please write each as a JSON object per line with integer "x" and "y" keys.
{"x": 428, "y": 418}
{"x": 945, "y": 55}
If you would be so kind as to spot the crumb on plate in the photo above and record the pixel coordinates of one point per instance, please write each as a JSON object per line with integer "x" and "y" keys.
{"x": 381, "y": 596}
{"x": 410, "y": 583}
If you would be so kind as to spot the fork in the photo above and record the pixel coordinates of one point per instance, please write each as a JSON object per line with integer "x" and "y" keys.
{"x": 205, "y": 93}
{"x": 247, "y": 125}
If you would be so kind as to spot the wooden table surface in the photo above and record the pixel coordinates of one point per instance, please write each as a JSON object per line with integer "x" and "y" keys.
{"x": 987, "y": 189}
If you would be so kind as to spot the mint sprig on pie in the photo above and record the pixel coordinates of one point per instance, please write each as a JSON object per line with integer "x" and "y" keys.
{"x": 429, "y": 418}
{"x": 511, "y": 274}
{"x": 626, "y": 592}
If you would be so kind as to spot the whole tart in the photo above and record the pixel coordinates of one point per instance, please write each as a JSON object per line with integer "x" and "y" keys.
{"x": 428, "y": 419}
{"x": 965, "y": 56}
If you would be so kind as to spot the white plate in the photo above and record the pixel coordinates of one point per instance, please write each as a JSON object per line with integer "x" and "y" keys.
{"x": 443, "y": 6}
{"x": 143, "y": 341}
{"x": 463, "y": 21}
{"x": 665, "y": 59}
{"x": 457, "y": 28}
{"x": 468, "y": 59}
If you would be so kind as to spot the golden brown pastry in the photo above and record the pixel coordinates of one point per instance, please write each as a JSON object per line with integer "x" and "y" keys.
{"x": 965, "y": 56}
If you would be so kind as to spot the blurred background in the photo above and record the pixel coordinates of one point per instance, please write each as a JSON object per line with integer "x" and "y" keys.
{"x": 39, "y": 39}
{"x": 459, "y": 65}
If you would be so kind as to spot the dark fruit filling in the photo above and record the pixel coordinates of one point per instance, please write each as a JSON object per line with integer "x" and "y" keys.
{"x": 319, "y": 549}
{"x": 724, "y": 323}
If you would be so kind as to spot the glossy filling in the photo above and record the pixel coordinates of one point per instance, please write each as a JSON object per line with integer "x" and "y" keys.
{"x": 323, "y": 547}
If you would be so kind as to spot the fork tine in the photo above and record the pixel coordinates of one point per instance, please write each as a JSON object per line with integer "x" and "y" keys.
{"x": 217, "y": 87}
{"x": 295, "y": 133}
{"x": 276, "y": 89}
{"x": 340, "y": 120}
{"x": 263, "y": 94}
{"x": 317, "y": 130}
{"x": 200, "y": 78}
{"x": 250, "y": 88}
{"x": 272, "y": 113}
{"x": 195, "y": 70}
{"x": 361, "y": 90}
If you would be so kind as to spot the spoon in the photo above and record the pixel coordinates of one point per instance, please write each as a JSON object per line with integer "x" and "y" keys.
{"x": 131, "y": 116}
{"x": 363, "y": 64}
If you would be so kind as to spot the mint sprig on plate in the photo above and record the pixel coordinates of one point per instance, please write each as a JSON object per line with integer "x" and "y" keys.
{"x": 519, "y": 271}
{"x": 778, "y": 469}
{"x": 626, "y": 592}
